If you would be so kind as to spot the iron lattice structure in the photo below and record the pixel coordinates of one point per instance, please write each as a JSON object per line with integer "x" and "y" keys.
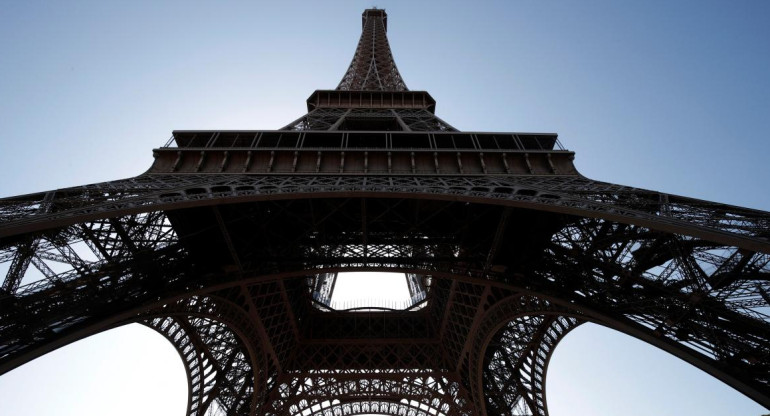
{"x": 230, "y": 246}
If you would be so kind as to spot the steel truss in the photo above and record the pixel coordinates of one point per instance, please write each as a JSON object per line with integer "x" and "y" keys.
{"x": 505, "y": 246}
{"x": 512, "y": 348}
{"x": 569, "y": 194}
{"x": 327, "y": 118}
{"x": 422, "y": 392}
{"x": 220, "y": 365}
{"x": 704, "y": 301}
{"x": 373, "y": 67}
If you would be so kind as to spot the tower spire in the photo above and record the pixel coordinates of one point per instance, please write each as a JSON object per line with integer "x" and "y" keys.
{"x": 373, "y": 67}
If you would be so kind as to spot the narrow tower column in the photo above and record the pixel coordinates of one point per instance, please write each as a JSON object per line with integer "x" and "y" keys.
{"x": 372, "y": 96}
{"x": 373, "y": 67}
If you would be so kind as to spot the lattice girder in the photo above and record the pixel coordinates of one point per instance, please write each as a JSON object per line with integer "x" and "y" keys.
{"x": 319, "y": 119}
{"x": 510, "y": 352}
{"x": 220, "y": 245}
{"x": 373, "y": 67}
{"x": 208, "y": 352}
{"x": 220, "y": 345}
{"x": 567, "y": 194}
{"x": 385, "y": 119}
{"x": 417, "y": 390}
{"x": 366, "y": 406}
{"x": 668, "y": 304}
{"x": 674, "y": 291}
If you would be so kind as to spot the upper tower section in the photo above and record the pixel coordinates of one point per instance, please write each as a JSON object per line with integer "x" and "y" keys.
{"x": 373, "y": 67}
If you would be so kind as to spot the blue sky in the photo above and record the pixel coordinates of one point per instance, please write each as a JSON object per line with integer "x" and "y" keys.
{"x": 671, "y": 96}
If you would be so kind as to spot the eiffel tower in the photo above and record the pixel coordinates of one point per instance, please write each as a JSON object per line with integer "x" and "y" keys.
{"x": 231, "y": 244}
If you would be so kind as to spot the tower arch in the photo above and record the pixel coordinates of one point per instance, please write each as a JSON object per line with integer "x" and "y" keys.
{"x": 220, "y": 244}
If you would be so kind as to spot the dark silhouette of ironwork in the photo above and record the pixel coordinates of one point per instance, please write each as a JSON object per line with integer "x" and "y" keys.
{"x": 230, "y": 246}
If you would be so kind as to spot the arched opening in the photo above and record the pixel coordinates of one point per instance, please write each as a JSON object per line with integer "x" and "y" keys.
{"x": 131, "y": 370}
{"x": 365, "y": 291}
{"x": 598, "y": 371}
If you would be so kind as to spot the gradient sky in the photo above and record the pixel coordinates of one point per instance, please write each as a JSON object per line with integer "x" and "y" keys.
{"x": 671, "y": 96}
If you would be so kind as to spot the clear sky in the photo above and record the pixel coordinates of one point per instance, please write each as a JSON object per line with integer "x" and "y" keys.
{"x": 671, "y": 96}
